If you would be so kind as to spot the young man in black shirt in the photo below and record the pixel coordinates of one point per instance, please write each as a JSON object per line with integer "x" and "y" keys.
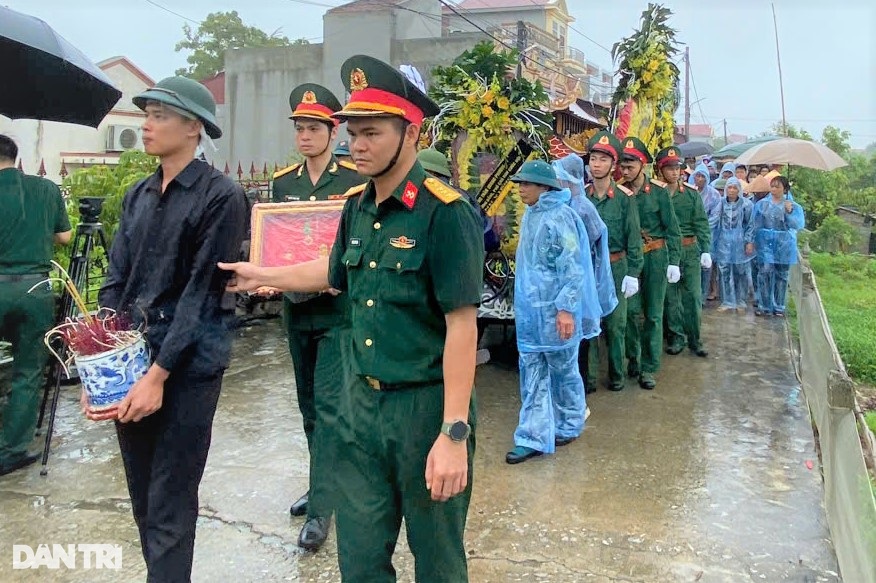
{"x": 176, "y": 224}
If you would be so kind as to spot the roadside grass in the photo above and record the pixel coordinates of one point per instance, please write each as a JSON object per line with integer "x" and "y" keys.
{"x": 847, "y": 284}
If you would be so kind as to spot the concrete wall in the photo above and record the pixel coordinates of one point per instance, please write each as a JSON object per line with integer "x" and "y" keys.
{"x": 258, "y": 83}
{"x": 427, "y": 53}
{"x": 256, "y": 112}
{"x": 348, "y": 34}
{"x": 862, "y": 224}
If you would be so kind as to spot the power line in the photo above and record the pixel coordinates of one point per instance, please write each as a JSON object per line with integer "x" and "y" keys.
{"x": 168, "y": 10}
{"x": 696, "y": 93}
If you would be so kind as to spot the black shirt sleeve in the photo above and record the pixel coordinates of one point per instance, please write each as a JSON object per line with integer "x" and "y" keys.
{"x": 217, "y": 238}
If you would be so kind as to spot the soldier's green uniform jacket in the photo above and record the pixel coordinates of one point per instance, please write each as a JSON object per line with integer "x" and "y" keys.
{"x": 293, "y": 184}
{"x": 32, "y": 211}
{"x": 621, "y": 217}
{"x": 402, "y": 274}
{"x": 691, "y": 215}
{"x": 657, "y": 218}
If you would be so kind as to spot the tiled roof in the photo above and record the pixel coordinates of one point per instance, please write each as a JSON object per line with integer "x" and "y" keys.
{"x": 489, "y": 4}
{"x": 364, "y": 6}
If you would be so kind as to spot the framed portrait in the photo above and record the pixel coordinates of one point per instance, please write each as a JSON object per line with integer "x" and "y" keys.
{"x": 288, "y": 233}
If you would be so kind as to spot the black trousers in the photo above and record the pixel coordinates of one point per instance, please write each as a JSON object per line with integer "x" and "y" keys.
{"x": 164, "y": 456}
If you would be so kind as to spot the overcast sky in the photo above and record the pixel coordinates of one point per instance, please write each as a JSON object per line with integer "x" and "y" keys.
{"x": 827, "y": 48}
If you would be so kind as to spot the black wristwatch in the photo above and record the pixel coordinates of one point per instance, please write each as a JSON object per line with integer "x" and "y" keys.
{"x": 457, "y": 430}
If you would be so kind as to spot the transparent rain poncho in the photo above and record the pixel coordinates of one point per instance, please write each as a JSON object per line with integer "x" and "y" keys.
{"x": 775, "y": 230}
{"x": 570, "y": 173}
{"x": 733, "y": 228}
{"x": 553, "y": 273}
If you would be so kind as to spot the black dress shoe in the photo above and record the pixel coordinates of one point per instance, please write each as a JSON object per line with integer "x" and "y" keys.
{"x": 313, "y": 533}
{"x": 633, "y": 368}
{"x": 701, "y": 352}
{"x": 300, "y": 506}
{"x": 521, "y": 454}
{"x": 673, "y": 350}
{"x": 561, "y": 441}
{"x": 647, "y": 382}
{"x": 615, "y": 387}
{"x": 10, "y": 466}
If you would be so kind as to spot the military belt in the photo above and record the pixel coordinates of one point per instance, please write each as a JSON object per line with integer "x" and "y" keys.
{"x": 654, "y": 244}
{"x": 16, "y": 277}
{"x": 615, "y": 257}
{"x": 378, "y": 385}
{"x": 688, "y": 241}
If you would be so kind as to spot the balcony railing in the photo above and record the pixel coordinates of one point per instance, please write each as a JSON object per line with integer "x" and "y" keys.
{"x": 534, "y": 36}
{"x": 573, "y": 54}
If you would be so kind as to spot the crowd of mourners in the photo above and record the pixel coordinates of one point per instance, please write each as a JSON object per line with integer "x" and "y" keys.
{"x": 610, "y": 250}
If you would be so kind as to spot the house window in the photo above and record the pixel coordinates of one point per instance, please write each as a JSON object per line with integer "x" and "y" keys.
{"x": 556, "y": 28}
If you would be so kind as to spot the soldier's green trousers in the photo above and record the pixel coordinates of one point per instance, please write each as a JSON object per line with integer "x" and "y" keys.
{"x": 684, "y": 302}
{"x": 316, "y": 359}
{"x": 24, "y": 320}
{"x": 387, "y": 437}
{"x": 614, "y": 326}
{"x": 644, "y": 336}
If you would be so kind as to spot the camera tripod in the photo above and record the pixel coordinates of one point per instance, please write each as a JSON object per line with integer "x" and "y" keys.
{"x": 89, "y": 237}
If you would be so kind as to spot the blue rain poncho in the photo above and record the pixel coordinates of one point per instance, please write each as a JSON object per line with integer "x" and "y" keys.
{"x": 553, "y": 273}
{"x": 570, "y": 173}
{"x": 711, "y": 197}
{"x": 775, "y": 230}
{"x": 733, "y": 228}
{"x": 728, "y": 167}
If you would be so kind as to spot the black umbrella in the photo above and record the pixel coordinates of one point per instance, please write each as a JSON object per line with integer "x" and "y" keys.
{"x": 46, "y": 77}
{"x": 694, "y": 149}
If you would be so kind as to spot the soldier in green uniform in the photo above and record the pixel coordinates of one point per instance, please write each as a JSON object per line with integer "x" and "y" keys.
{"x": 662, "y": 248}
{"x": 409, "y": 253}
{"x": 683, "y": 308}
{"x": 32, "y": 218}
{"x": 616, "y": 208}
{"x": 435, "y": 163}
{"x": 311, "y": 318}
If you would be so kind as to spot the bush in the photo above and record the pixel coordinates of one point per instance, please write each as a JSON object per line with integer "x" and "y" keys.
{"x": 109, "y": 182}
{"x": 834, "y": 236}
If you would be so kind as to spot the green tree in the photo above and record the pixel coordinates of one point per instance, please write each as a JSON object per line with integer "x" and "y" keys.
{"x": 219, "y": 32}
{"x": 836, "y": 139}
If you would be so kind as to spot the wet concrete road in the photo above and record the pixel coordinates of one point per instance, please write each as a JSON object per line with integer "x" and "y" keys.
{"x": 704, "y": 480}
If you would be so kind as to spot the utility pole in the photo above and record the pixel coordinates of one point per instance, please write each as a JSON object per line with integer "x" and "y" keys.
{"x": 781, "y": 83}
{"x": 521, "y": 47}
{"x": 725, "y": 131}
{"x": 686, "y": 94}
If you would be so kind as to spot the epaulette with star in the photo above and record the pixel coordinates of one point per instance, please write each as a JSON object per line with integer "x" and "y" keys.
{"x": 355, "y": 190}
{"x": 347, "y": 165}
{"x": 625, "y": 190}
{"x": 441, "y": 191}
{"x": 286, "y": 170}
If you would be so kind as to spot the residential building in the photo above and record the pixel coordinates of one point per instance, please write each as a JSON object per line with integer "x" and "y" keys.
{"x": 54, "y": 149}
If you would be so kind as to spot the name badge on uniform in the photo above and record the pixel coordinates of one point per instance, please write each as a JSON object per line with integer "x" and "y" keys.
{"x": 402, "y": 242}
{"x": 355, "y": 242}
{"x": 293, "y": 198}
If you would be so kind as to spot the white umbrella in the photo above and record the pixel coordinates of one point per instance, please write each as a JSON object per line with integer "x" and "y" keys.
{"x": 793, "y": 151}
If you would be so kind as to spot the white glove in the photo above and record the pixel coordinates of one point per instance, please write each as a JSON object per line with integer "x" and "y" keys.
{"x": 673, "y": 274}
{"x": 629, "y": 286}
{"x": 706, "y": 261}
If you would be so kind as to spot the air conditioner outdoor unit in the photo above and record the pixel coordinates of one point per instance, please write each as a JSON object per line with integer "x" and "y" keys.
{"x": 121, "y": 138}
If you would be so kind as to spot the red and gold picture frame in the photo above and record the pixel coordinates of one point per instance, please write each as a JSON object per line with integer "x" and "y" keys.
{"x": 288, "y": 233}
